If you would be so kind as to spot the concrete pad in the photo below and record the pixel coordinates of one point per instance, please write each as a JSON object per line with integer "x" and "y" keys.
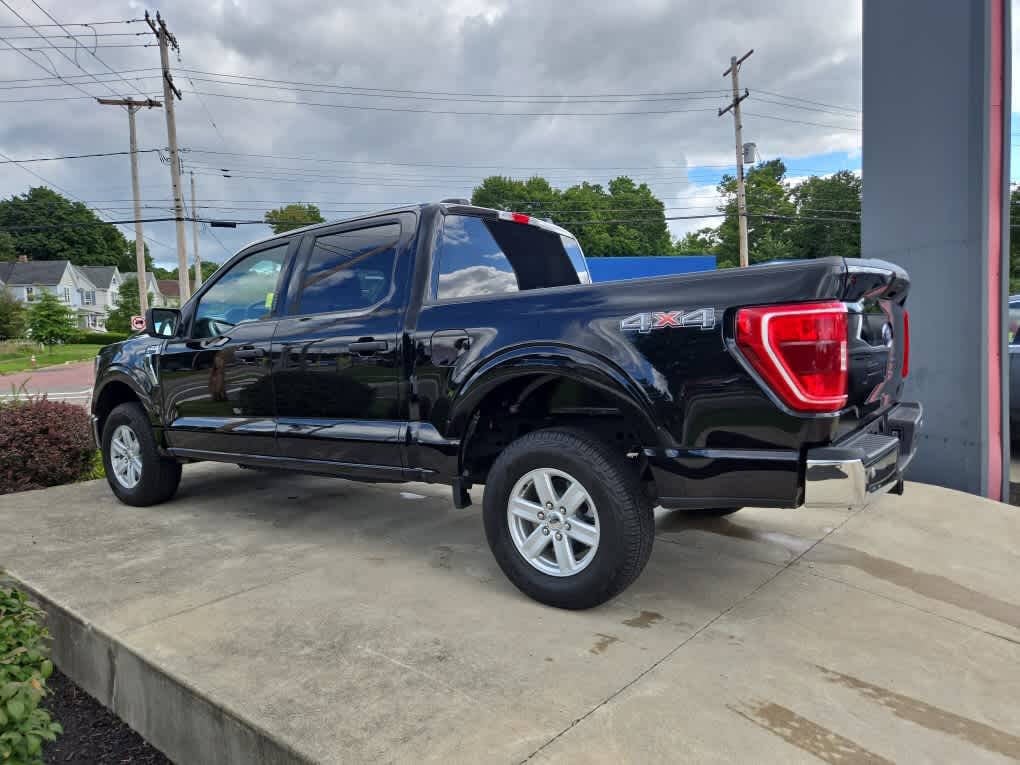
{"x": 811, "y": 669}
{"x": 940, "y": 550}
{"x": 265, "y": 617}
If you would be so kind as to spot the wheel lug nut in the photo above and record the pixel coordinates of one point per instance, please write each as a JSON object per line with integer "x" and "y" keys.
{"x": 545, "y": 530}
{"x": 563, "y": 509}
{"x": 567, "y": 527}
{"x": 548, "y": 505}
{"x": 559, "y": 535}
{"x": 541, "y": 515}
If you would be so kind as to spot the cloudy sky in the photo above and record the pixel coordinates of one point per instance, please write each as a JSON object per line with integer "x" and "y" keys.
{"x": 437, "y": 96}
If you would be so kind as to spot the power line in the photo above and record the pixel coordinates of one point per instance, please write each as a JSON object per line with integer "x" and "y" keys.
{"x": 76, "y": 156}
{"x": 59, "y": 49}
{"x": 802, "y": 122}
{"x": 90, "y": 52}
{"x": 809, "y": 101}
{"x": 71, "y": 24}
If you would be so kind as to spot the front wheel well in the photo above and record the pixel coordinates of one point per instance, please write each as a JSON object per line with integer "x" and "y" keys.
{"x": 541, "y": 401}
{"x": 112, "y": 395}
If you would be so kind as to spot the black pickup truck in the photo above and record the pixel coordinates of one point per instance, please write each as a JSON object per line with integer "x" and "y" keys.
{"x": 462, "y": 345}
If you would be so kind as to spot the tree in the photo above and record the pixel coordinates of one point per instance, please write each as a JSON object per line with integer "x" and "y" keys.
{"x": 12, "y": 316}
{"x": 7, "y": 249}
{"x": 293, "y": 216}
{"x": 208, "y": 269}
{"x": 128, "y": 305}
{"x": 128, "y": 261}
{"x": 766, "y": 195}
{"x": 49, "y": 320}
{"x": 47, "y": 226}
{"x": 701, "y": 242}
{"x": 838, "y": 196}
{"x": 624, "y": 219}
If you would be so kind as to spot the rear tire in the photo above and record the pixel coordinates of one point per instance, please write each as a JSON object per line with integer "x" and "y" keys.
{"x": 135, "y": 470}
{"x": 582, "y": 552}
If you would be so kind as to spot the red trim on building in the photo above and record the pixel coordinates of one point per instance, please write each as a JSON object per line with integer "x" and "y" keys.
{"x": 995, "y": 199}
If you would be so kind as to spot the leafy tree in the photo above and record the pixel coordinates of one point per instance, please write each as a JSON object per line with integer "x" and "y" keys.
{"x": 128, "y": 261}
{"x": 701, "y": 242}
{"x": 624, "y": 219}
{"x": 12, "y": 315}
{"x": 293, "y": 216}
{"x": 766, "y": 195}
{"x": 49, "y": 320}
{"x": 128, "y": 305}
{"x": 47, "y": 226}
{"x": 7, "y": 249}
{"x": 838, "y": 196}
{"x": 208, "y": 269}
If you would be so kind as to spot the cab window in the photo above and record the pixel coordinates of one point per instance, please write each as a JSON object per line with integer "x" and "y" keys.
{"x": 350, "y": 270}
{"x": 246, "y": 292}
{"x": 475, "y": 257}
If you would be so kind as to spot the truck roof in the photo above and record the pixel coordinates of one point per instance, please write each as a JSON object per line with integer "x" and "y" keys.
{"x": 456, "y": 207}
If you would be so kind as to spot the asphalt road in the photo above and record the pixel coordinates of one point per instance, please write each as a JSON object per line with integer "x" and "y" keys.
{"x": 66, "y": 382}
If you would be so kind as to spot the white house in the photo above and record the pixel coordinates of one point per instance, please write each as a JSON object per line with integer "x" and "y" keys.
{"x": 26, "y": 280}
{"x": 107, "y": 280}
{"x": 159, "y": 300}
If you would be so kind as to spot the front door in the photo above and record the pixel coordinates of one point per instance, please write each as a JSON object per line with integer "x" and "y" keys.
{"x": 217, "y": 388}
{"x": 337, "y": 352}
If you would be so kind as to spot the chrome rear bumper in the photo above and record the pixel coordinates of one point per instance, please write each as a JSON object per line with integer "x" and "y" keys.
{"x": 865, "y": 466}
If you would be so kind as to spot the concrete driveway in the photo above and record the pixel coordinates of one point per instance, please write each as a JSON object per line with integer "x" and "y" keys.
{"x": 277, "y": 618}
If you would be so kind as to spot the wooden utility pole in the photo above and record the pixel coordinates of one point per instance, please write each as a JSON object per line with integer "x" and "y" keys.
{"x": 132, "y": 107}
{"x": 194, "y": 234}
{"x": 167, "y": 41}
{"x": 734, "y": 105}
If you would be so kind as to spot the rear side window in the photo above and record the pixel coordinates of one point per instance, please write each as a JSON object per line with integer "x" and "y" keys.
{"x": 349, "y": 271}
{"x": 483, "y": 257}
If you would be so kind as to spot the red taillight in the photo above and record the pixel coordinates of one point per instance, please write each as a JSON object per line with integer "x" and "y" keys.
{"x": 520, "y": 218}
{"x": 906, "y": 344}
{"x": 800, "y": 351}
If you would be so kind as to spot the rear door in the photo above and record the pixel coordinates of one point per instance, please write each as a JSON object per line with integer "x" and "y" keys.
{"x": 338, "y": 354}
{"x": 216, "y": 383}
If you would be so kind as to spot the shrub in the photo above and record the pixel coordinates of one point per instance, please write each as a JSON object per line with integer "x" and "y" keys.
{"x": 98, "y": 338}
{"x": 43, "y": 443}
{"x": 24, "y": 667}
{"x": 49, "y": 320}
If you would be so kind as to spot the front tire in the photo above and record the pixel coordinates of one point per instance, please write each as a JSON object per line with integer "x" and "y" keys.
{"x": 135, "y": 470}
{"x": 566, "y": 518}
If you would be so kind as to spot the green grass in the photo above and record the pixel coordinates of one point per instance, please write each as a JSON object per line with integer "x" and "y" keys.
{"x": 18, "y": 357}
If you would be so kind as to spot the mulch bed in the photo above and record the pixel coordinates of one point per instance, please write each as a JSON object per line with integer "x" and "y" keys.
{"x": 92, "y": 733}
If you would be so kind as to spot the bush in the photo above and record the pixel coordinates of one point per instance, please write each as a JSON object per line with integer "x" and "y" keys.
{"x": 49, "y": 320}
{"x": 43, "y": 443}
{"x": 24, "y": 667}
{"x": 98, "y": 338}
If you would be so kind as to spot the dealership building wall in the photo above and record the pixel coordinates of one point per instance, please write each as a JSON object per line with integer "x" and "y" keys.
{"x": 936, "y": 170}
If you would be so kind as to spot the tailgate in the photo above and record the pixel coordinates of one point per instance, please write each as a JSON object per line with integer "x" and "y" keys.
{"x": 875, "y": 293}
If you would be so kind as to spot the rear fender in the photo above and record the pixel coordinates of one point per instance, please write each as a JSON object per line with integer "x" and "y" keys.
{"x": 555, "y": 362}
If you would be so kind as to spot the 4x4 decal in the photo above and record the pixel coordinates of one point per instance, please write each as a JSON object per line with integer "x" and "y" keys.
{"x": 646, "y": 322}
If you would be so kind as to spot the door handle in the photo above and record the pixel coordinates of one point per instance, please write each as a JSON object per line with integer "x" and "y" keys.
{"x": 368, "y": 346}
{"x": 249, "y": 353}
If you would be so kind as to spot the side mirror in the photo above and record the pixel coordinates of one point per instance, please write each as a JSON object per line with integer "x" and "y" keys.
{"x": 162, "y": 322}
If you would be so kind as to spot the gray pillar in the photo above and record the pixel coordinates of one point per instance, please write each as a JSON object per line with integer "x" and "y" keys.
{"x": 936, "y": 201}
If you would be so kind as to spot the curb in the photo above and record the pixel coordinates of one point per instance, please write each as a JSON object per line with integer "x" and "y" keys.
{"x": 179, "y": 720}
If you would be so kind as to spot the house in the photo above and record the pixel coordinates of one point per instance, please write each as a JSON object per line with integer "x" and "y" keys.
{"x": 171, "y": 289}
{"x": 156, "y": 298}
{"x": 27, "y": 279}
{"x": 107, "y": 280}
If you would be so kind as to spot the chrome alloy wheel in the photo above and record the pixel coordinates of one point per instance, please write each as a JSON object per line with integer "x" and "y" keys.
{"x": 553, "y": 522}
{"x": 126, "y": 457}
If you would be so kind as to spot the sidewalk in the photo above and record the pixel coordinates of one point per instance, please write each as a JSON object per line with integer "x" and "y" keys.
{"x": 275, "y": 618}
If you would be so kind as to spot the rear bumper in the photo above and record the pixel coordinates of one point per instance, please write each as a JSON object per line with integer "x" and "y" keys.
{"x": 867, "y": 465}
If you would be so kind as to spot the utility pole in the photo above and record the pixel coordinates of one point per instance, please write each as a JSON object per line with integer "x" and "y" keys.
{"x": 167, "y": 41}
{"x": 737, "y": 129}
{"x": 194, "y": 234}
{"x": 132, "y": 107}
